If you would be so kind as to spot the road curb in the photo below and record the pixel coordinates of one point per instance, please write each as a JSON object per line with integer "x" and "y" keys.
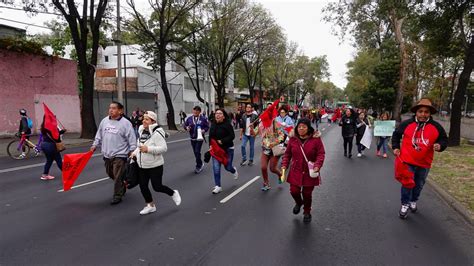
{"x": 451, "y": 201}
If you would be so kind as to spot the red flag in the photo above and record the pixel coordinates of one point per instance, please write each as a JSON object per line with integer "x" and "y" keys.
{"x": 288, "y": 129}
{"x": 50, "y": 122}
{"x": 219, "y": 153}
{"x": 403, "y": 173}
{"x": 269, "y": 114}
{"x": 73, "y": 165}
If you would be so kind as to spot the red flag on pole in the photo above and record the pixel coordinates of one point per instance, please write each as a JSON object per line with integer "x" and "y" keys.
{"x": 73, "y": 165}
{"x": 218, "y": 153}
{"x": 403, "y": 173}
{"x": 269, "y": 114}
{"x": 50, "y": 122}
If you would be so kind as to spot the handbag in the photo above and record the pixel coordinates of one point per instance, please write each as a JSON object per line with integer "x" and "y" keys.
{"x": 278, "y": 150}
{"x": 130, "y": 176}
{"x": 60, "y": 146}
{"x": 312, "y": 173}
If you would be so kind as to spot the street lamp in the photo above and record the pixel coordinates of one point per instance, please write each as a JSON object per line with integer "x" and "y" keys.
{"x": 125, "y": 77}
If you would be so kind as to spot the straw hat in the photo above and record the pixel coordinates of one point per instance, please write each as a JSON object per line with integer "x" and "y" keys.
{"x": 424, "y": 103}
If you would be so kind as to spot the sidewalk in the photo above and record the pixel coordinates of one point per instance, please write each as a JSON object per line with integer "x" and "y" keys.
{"x": 70, "y": 140}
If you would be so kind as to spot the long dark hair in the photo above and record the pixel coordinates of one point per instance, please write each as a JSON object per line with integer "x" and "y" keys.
{"x": 226, "y": 116}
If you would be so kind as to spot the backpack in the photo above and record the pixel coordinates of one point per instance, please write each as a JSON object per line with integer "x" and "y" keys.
{"x": 30, "y": 122}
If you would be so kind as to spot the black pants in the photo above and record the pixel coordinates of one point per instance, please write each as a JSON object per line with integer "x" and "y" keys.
{"x": 156, "y": 176}
{"x": 348, "y": 144}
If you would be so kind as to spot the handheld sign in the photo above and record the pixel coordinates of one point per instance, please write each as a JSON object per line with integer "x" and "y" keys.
{"x": 384, "y": 128}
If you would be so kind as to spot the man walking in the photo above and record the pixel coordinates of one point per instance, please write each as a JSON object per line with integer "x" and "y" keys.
{"x": 197, "y": 124}
{"x": 247, "y": 134}
{"x": 414, "y": 142}
{"x": 117, "y": 140}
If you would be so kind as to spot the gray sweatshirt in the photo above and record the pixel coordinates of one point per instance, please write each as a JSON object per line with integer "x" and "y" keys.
{"x": 115, "y": 137}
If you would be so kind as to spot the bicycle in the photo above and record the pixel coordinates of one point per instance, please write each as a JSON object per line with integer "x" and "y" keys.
{"x": 19, "y": 149}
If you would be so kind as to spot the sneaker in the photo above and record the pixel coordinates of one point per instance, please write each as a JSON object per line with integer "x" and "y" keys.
{"x": 216, "y": 190}
{"x": 115, "y": 201}
{"x": 413, "y": 207}
{"x": 296, "y": 209}
{"x": 404, "y": 211}
{"x": 22, "y": 156}
{"x": 147, "y": 210}
{"x": 50, "y": 177}
{"x": 378, "y": 153}
{"x": 243, "y": 163}
{"x": 307, "y": 218}
{"x": 176, "y": 197}
{"x": 345, "y": 154}
{"x": 359, "y": 155}
{"x": 44, "y": 177}
{"x": 199, "y": 170}
{"x": 265, "y": 187}
{"x": 385, "y": 155}
{"x": 250, "y": 163}
{"x": 236, "y": 174}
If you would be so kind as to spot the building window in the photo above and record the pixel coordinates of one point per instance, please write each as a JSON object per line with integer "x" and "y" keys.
{"x": 106, "y": 58}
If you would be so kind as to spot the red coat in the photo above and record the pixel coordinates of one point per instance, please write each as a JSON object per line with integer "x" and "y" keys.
{"x": 299, "y": 172}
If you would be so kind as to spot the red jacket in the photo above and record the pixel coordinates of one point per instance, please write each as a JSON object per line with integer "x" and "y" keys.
{"x": 416, "y": 146}
{"x": 299, "y": 172}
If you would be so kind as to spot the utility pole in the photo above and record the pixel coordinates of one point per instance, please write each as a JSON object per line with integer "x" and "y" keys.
{"x": 125, "y": 82}
{"x": 119, "y": 56}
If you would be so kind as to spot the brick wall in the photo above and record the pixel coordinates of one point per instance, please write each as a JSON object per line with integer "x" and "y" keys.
{"x": 26, "y": 81}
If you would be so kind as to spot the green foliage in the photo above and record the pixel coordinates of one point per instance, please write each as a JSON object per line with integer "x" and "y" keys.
{"x": 22, "y": 45}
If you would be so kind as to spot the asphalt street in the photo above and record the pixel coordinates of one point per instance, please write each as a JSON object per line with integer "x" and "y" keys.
{"x": 355, "y": 217}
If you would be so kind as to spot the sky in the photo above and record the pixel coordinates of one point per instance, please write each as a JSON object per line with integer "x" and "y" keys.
{"x": 300, "y": 19}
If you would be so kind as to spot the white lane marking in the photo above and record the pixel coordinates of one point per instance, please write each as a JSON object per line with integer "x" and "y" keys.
{"x": 237, "y": 191}
{"x": 88, "y": 183}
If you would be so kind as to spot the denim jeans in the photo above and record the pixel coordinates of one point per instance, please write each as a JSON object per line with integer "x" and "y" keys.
{"x": 197, "y": 145}
{"x": 246, "y": 139}
{"x": 413, "y": 194}
{"x": 216, "y": 166}
{"x": 382, "y": 143}
{"x": 49, "y": 150}
{"x": 360, "y": 148}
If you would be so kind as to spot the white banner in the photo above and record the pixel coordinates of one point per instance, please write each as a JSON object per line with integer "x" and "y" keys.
{"x": 367, "y": 138}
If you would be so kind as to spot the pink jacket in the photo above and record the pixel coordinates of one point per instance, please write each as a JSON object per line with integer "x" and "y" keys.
{"x": 299, "y": 172}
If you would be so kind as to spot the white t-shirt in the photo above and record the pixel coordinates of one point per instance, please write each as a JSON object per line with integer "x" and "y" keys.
{"x": 247, "y": 130}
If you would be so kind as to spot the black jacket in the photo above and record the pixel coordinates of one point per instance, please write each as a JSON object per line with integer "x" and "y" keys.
{"x": 24, "y": 126}
{"x": 223, "y": 132}
{"x": 349, "y": 126}
{"x": 243, "y": 124}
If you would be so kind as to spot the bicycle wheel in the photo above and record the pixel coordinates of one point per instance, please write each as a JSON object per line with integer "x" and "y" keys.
{"x": 14, "y": 150}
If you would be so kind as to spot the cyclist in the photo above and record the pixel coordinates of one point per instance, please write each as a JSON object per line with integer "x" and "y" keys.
{"x": 25, "y": 128}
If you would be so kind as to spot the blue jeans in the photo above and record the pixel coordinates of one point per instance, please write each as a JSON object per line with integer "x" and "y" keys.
{"x": 49, "y": 150}
{"x": 216, "y": 166}
{"x": 197, "y": 145}
{"x": 420, "y": 179}
{"x": 382, "y": 143}
{"x": 246, "y": 139}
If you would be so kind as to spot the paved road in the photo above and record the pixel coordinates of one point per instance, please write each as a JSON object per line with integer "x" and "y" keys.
{"x": 354, "y": 219}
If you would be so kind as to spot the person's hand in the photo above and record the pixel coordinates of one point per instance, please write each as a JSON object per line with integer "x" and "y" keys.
{"x": 219, "y": 141}
{"x": 437, "y": 147}
{"x": 93, "y": 148}
{"x": 282, "y": 98}
{"x": 316, "y": 169}
{"x": 240, "y": 137}
{"x": 143, "y": 149}
{"x": 396, "y": 152}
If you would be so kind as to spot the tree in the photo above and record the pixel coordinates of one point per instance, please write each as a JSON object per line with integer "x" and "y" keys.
{"x": 159, "y": 32}
{"x": 234, "y": 27}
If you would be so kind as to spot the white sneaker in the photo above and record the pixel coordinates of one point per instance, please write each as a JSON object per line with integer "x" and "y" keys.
{"x": 403, "y": 213}
{"x": 359, "y": 155}
{"x": 236, "y": 174}
{"x": 148, "y": 209}
{"x": 176, "y": 197}
{"x": 216, "y": 190}
{"x": 413, "y": 207}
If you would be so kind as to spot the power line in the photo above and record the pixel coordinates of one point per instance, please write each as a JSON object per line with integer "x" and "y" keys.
{"x": 36, "y": 11}
{"x": 24, "y": 23}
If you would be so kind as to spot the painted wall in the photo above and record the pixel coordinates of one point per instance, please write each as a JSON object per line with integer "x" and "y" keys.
{"x": 26, "y": 81}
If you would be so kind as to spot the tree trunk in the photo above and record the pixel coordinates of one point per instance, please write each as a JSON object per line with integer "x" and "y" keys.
{"x": 455, "y": 122}
{"x": 164, "y": 87}
{"x": 397, "y": 24}
{"x": 453, "y": 86}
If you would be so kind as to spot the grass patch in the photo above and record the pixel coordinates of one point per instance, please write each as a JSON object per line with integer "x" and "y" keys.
{"x": 453, "y": 170}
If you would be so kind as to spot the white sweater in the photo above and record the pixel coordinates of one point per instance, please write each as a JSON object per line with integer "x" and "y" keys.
{"x": 156, "y": 147}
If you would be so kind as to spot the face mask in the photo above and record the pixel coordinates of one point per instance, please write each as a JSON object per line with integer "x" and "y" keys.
{"x": 290, "y": 113}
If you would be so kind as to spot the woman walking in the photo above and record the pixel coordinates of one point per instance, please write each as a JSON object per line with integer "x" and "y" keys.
{"x": 272, "y": 137}
{"x": 348, "y": 124}
{"x": 222, "y": 133}
{"x": 305, "y": 156}
{"x": 362, "y": 125}
{"x": 48, "y": 146}
{"x": 383, "y": 140}
{"x": 149, "y": 156}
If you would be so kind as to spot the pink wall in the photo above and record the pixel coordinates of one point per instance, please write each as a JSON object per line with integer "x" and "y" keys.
{"x": 26, "y": 81}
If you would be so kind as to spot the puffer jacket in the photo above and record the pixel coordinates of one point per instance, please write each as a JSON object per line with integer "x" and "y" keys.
{"x": 156, "y": 147}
